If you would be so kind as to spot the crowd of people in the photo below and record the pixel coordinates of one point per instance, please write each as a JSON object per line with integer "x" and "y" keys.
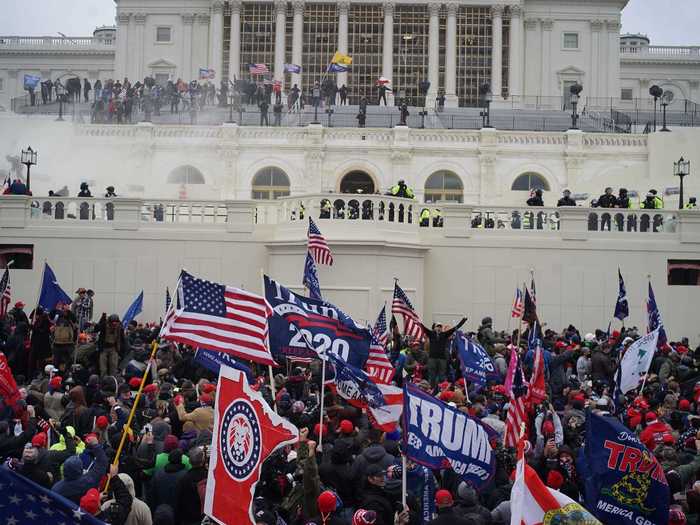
{"x": 652, "y": 201}
{"x": 78, "y": 377}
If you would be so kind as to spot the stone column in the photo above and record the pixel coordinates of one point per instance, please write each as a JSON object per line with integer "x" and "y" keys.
{"x": 451, "y": 99}
{"x": 186, "y": 66}
{"x": 594, "y": 87}
{"x": 216, "y": 42}
{"x": 122, "y": 56}
{"x": 388, "y": 45}
{"x": 613, "y": 59}
{"x": 200, "y": 49}
{"x": 280, "y": 25}
{"x": 515, "y": 61}
{"x": 433, "y": 53}
{"x": 497, "y": 52}
{"x": 234, "y": 54}
{"x": 297, "y": 40}
{"x": 137, "y": 71}
{"x": 343, "y": 10}
{"x": 532, "y": 65}
{"x": 547, "y": 25}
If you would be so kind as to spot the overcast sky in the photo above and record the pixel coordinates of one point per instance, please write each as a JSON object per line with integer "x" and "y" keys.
{"x": 672, "y": 23}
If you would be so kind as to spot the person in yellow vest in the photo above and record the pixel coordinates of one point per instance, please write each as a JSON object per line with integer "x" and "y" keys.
{"x": 437, "y": 218}
{"x": 424, "y": 218}
{"x": 658, "y": 199}
{"x": 402, "y": 190}
{"x": 326, "y": 208}
{"x": 692, "y": 204}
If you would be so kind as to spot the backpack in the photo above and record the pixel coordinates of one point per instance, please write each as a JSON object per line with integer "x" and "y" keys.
{"x": 63, "y": 334}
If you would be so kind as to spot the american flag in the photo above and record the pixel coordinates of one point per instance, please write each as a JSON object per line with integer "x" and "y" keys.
{"x": 518, "y": 305}
{"x": 378, "y": 365}
{"x": 380, "y": 330}
{"x": 517, "y": 414}
{"x": 402, "y": 305}
{"x": 219, "y": 317}
{"x": 318, "y": 246}
{"x": 23, "y": 502}
{"x": 258, "y": 69}
{"x": 5, "y": 292}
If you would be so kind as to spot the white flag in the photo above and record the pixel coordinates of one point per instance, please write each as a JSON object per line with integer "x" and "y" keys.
{"x": 636, "y": 361}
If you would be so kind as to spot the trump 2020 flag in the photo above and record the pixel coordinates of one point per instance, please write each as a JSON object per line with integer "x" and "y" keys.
{"x": 622, "y": 307}
{"x": 310, "y": 279}
{"x": 51, "y": 292}
{"x": 437, "y": 436}
{"x": 135, "y": 309}
{"x": 635, "y": 363}
{"x": 213, "y": 361}
{"x": 246, "y": 432}
{"x": 624, "y": 483}
{"x": 477, "y": 366}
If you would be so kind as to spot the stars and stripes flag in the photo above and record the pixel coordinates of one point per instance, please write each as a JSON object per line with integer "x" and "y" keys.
{"x": 380, "y": 330}
{"x": 318, "y": 247}
{"x": 378, "y": 366}
{"x": 218, "y": 317}
{"x": 518, "y": 305}
{"x": 5, "y": 292}
{"x": 517, "y": 413}
{"x": 23, "y": 502}
{"x": 258, "y": 69}
{"x": 402, "y": 305}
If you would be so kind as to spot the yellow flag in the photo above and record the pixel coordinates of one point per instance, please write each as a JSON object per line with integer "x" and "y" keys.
{"x": 341, "y": 59}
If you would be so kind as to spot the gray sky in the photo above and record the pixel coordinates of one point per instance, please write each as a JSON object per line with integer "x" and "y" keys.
{"x": 670, "y": 26}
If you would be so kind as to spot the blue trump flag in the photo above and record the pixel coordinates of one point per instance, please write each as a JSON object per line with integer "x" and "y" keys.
{"x": 135, "y": 309}
{"x": 23, "y": 502}
{"x": 654, "y": 320}
{"x": 622, "y": 307}
{"x": 337, "y": 68}
{"x": 310, "y": 279}
{"x": 51, "y": 292}
{"x": 477, "y": 366}
{"x": 624, "y": 483}
{"x": 437, "y": 436}
{"x": 212, "y": 361}
{"x": 298, "y": 321}
{"x": 31, "y": 81}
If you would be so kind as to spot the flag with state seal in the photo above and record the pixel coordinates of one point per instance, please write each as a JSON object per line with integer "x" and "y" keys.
{"x": 246, "y": 432}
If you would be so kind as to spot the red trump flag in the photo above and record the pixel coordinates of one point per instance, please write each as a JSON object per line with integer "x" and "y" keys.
{"x": 246, "y": 432}
{"x": 8, "y": 387}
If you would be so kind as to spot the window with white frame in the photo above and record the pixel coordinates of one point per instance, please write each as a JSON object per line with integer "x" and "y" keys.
{"x": 163, "y": 34}
{"x": 570, "y": 40}
{"x": 627, "y": 94}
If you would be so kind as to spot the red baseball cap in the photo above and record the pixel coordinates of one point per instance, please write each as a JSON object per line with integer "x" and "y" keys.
{"x": 317, "y": 429}
{"x": 327, "y": 502}
{"x": 135, "y": 382}
{"x": 206, "y": 399}
{"x": 346, "y": 426}
{"x": 651, "y": 416}
{"x": 102, "y": 422}
{"x": 56, "y": 382}
{"x": 91, "y": 501}
{"x": 39, "y": 441}
{"x": 208, "y": 388}
{"x": 151, "y": 388}
{"x": 443, "y": 498}
{"x": 684, "y": 404}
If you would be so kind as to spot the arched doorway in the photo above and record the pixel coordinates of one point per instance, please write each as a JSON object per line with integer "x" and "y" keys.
{"x": 357, "y": 182}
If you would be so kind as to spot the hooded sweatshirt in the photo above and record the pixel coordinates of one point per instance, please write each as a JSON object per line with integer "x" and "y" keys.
{"x": 75, "y": 483}
{"x": 140, "y": 514}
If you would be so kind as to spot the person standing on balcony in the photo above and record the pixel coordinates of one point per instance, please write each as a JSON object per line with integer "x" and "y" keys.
{"x": 536, "y": 199}
{"x": 343, "y": 95}
{"x": 402, "y": 190}
{"x": 263, "y": 105}
{"x": 607, "y": 200}
{"x": 87, "y": 87}
{"x": 566, "y": 200}
{"x": 623, "y": 200}
{"x": 692, "y": 204}
{"x": 84, "y": 190}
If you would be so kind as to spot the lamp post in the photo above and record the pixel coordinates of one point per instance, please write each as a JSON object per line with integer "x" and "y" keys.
{"x": 329, "y": 112}
{"x": 656, "y": 92}
{"x": 59, "y": 95}
{"x": 424, "y": 86}
{"x": 29, "y": 159}
{"x": 486, "y": 98}
{"x": 681, "y": 169}
{"x": 316, "y": 95}
{"x": 666, "y": 99}
{"x": 575, "y": 91}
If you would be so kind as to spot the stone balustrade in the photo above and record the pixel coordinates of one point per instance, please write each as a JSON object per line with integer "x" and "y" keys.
{"x": 51, "y": 42}
{"x": 661, "y": 51}
{"x": 447, "y": 219}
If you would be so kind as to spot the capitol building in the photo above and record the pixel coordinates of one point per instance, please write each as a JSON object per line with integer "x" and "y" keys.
{"x": 223, "y": 196}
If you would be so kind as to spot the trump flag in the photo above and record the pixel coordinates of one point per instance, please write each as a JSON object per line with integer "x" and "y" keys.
{"x": 246, "y": 432}
{"x": 624, "y": 483}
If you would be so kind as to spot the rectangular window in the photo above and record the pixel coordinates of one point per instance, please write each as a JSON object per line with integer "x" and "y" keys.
{"x": 626, "y": 94}
{"x": 21, "y": 255}
{"x": 570, "y": 40}
{"x": 474, "y": 36}
{"x": 683, "y": 272}
{"x": 163, "y": 34}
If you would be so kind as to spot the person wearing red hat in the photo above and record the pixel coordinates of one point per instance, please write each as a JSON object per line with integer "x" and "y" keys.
{"x": 53, "y": 398}
{"x": 134, "y": 383}
{"x": 445, "y": 510}
{"x": 40, "y": 440}
{"x": 684, "y": 405}
{"x": 18, "y": 314}
{"x": 346, "y": 427}
{"x": 202, "y": 417}
{"x": 655, "y": 432}
{"x": 118, "y": 509}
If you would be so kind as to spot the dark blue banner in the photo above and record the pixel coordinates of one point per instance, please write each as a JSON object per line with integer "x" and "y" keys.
{"x": 477, "y": 366}
{"x": 438, "y": 436}
{"x": 298, "y": 320}
{"x": 212, "y": 361}
{"x": 624, "y": 483}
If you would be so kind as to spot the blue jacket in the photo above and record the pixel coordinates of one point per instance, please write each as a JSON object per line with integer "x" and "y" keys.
{"x": 75, "y": 483}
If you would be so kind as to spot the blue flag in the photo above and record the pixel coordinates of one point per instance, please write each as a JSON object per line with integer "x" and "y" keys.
{"x": 212, "y": 361}
{"x": 51, "y": 292}
{"x": 622, "y": 307}
{"x": 437, "y": 436}
{"x": 167, "y": 299}
{"x": 477, "y": 366}
{"x": 292, "y": 68}
{"x": 135, "y": 309}
{"x": 355, "y": 385}
{"x": 310, "y": 279}
{"x": 337, "y": 68}
{"x": 298, "y": 321}
{"x": 624, "y": 483}
{"x": 31, "y": 81}
{"x": 654, "y": 320}
{"x": 24, "y": 502}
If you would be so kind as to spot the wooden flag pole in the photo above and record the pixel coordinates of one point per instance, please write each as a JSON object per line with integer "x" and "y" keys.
{"x": 520, "y": 324}
{"x": 403, "y": 480}
{"x": 323, "y": 387}
{"x": 127, "y": 425}
{"x": 267, "y": 341}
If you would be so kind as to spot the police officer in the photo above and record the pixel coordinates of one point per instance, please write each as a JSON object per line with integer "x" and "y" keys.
{"x": 536, "y": 199}
{"x": 658, "y": 200}
{"x": 402, "y": 190}
{"x": 437, "y": 218}
{"x": 424, "y": 218}
{"x": 326, "y": 208}
{"x": 566, "y": 200}
{"x": 692, "y": 204}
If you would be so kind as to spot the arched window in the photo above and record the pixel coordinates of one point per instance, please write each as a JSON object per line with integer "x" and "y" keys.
{"x": 443, "y": 186}
{"x": 530, "y": 181}
{"x": 186, "y": 175}
{"x": 357, "y": 182}
{"x": 270, "y": 183}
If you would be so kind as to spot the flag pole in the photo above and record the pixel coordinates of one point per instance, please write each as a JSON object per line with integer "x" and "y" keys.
{"x": 403, "y": 480}
{"x": 41, "y": 285}
{"x": 127, "y": 426}
{"x": 267, "y": 341}
{"x": 323, "y": 388}
{"x": 520, "y": 324}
